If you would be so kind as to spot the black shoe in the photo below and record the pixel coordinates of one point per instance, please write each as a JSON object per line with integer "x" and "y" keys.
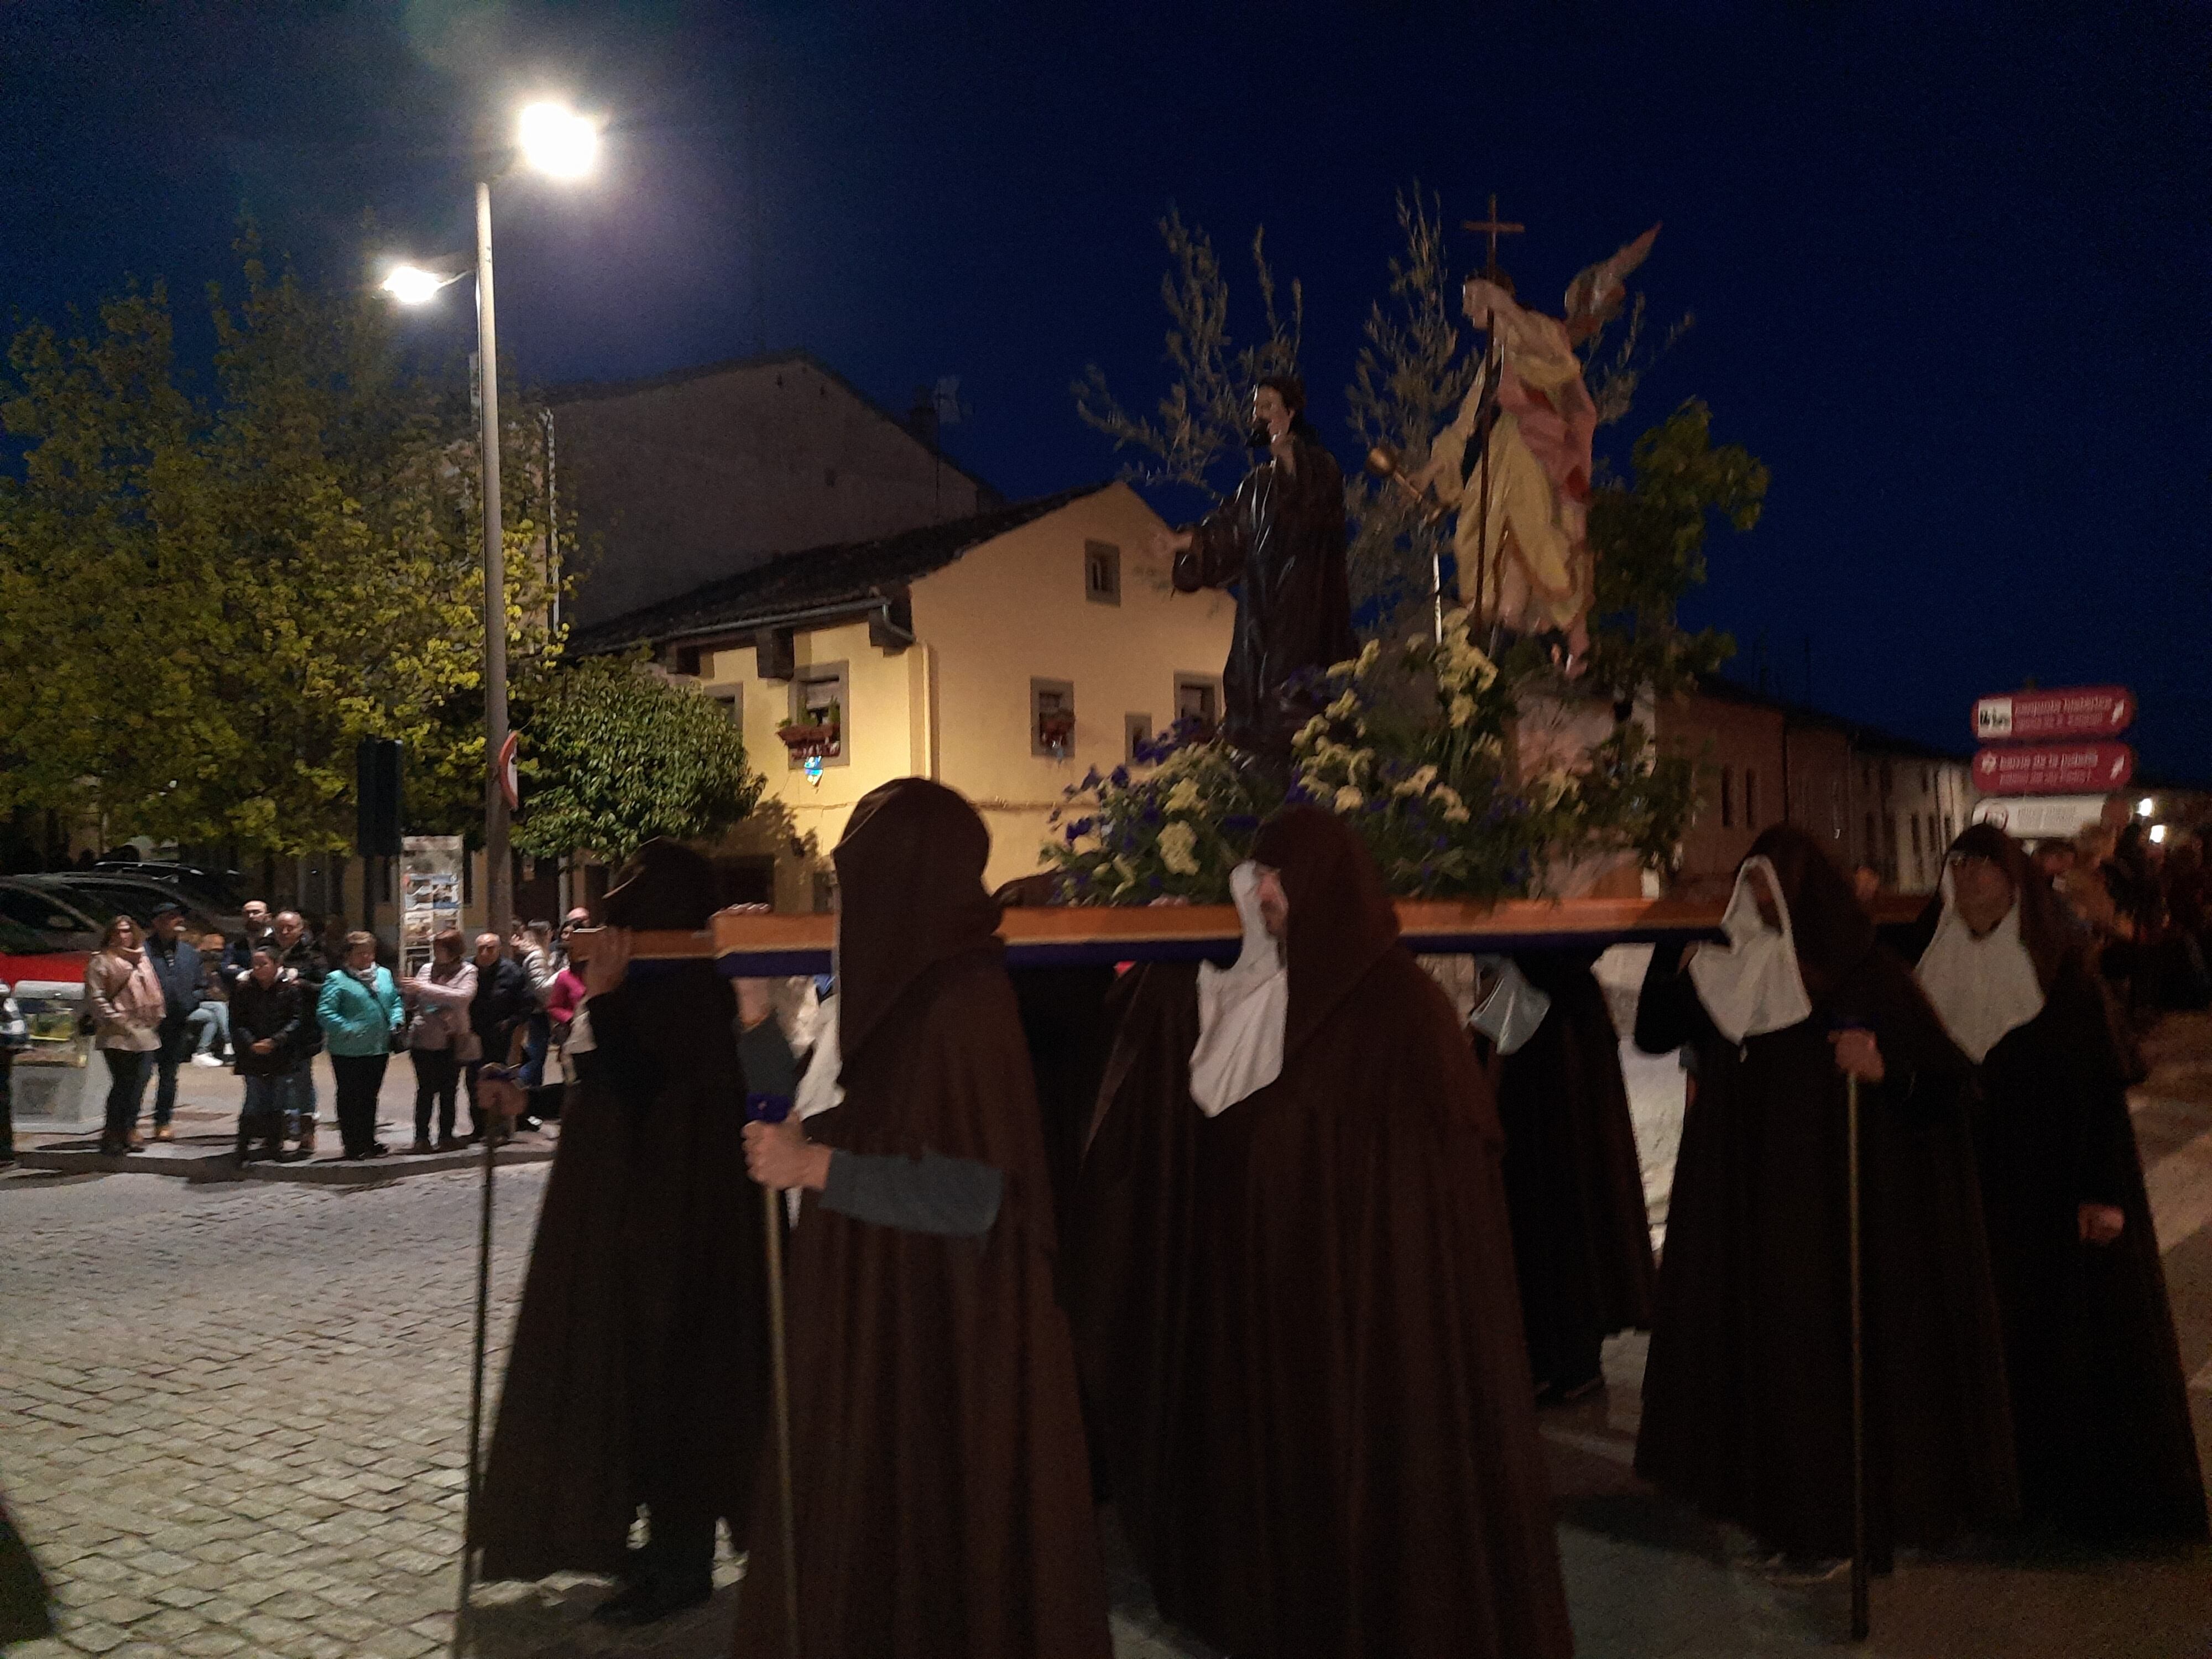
{"x": 377, "y": 1149}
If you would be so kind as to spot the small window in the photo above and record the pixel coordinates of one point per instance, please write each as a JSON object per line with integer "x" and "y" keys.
{"x": 1198, "y": 700}
{"x": 1728, "y": 799}
{"x": 1136, "y": 733}
{"x": 1102, "y": 573}
{"x": 687, "y": 659}
{"x": 1750, "y": 798}
{"x": 733, "y": 699}
{"x": 1052, "y": 719}
{"x": 821, "y": 714}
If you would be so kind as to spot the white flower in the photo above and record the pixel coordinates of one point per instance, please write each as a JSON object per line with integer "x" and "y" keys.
{"x": 1342, "y": 670}
{"x": 1455, "y": 808}
{"x": 1127, "y": 872}
{"x": 1179, "y": 849}
{"x": 1418, "y": 783}
{"x": 1183, "y": 797}
{"x": 1311, "y": 733}
{"x": 1344, "y": 706}
{"x": 1349, "y": 800}
{"x": 1369, "y": 654}
{"x": 1462, "y": 710}
{"x": 1553, "y": 787}
{"x": 1084, "y": 846}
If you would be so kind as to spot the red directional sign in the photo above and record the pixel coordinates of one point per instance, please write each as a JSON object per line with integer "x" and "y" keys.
{"x": 2081, "y": 711}
{"x": 2054, "y": 769}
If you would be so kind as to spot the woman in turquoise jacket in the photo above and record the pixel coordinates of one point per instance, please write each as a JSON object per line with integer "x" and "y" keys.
{"x": 361, "y": 1013}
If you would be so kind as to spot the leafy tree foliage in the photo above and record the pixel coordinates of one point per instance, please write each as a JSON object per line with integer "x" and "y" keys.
{"x": 205, "y": 603}
{"x": 619, "y": 754}
{"x": 1198, "y": 439}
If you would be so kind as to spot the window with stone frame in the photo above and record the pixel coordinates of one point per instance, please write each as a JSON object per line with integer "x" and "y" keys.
{"x": 821, "y": 706}
{"x": 1052, "y": 719}
{"x": 1102, "y": 573}
{"x": 1136, "y": 733}
{"x": 1198, "y": 698}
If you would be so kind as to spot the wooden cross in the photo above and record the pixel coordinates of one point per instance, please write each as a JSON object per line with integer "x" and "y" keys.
{"x": 1494, "y": 228}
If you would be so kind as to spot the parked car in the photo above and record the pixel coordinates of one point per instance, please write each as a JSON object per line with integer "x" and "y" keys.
{"x": 107, "y": 896}
{"x": 29, "y": 957}
{"x": 218, "y": 891}
{"x": 49, "y": 915}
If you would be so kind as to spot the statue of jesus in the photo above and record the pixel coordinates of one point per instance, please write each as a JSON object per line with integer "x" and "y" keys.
{"x": 1279, "y": 542}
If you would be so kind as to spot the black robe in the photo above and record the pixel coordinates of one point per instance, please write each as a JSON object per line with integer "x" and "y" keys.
{"x": 1746, "y": 1391}
{"x": 1574, "y": 1189}
{"x": 639, "y": 1373}
{"x": 1346, "y": 1465}
{"x": 2099, "y": 1402}
{"x": 943, "y": 1503}
{"x": 1279, "y": 541}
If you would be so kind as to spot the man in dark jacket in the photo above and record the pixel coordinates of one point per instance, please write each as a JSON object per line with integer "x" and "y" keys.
{"x": 503, "y": 1001}
{"x": 176, "y": 963}
{"x": 238, "y": 955}
{"x": 266, "y": 1015}
{"x": 304, "y": 963}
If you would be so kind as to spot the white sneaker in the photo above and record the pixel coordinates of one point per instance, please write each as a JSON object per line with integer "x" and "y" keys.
{"x": 205, "y": 1060}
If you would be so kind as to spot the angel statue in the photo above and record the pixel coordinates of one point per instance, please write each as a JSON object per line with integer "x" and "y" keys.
{"x": 1525, "y": 563}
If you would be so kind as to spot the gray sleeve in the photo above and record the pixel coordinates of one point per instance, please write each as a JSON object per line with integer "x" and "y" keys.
{"x": 953, "y": 1197}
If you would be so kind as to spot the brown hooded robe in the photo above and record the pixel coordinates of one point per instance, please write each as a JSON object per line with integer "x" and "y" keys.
{"x": 639, "y": 1373}
{"x": 2100, "y": 1404}
{"x": 1353, "y": 1470}
{"x": 1126, "y": 1268}
{"x": 1747, "y": 1392}
{"x": 1581, "y": 1240}
{"x": 943, "y": 1504}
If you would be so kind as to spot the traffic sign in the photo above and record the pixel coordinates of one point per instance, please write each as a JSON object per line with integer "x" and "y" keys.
{"x": 510, "y": 781}
{"x": 2081, "y": 711}
{"x": 2054, "y": 769}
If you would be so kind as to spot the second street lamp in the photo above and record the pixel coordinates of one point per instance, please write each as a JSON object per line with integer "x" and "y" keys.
{"x": 552, "y": 139}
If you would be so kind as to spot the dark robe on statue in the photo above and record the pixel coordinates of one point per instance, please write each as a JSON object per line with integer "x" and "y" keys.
{"x": 943, "y": 1504}
{"x": 1747, "y": 1392}
{"x": 1125, "y": 1272}
{"x": 639, "y": 1373}
{"x": 2101, "y": 1405}
{"x": 1574, "y": 1190}
{"x": 1280, "y": 540}
{"x": 1352, "y": 1468}
{"x": 25, "y": 1602}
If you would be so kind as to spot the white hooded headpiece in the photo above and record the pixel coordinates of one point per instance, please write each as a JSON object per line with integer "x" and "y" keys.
{"x": 1241, "y": 1009}
{"x": 1981, "y": 987}
{"x": 1754, "y": 985}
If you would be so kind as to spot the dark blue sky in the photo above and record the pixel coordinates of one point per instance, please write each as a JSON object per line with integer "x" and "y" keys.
{"x": 1949, "y": 264}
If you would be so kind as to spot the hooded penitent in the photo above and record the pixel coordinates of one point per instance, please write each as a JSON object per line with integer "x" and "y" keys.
{"x": 1753, "y": 984}
{"x": 639, "y": 1373}
{"x": 1582, "y": 1241}
{"x": 2099, "y": 1397}
{"x": 1347, "y": 1463}
{"x": 1241, "y": 1009}
{"x": 943, "y": 1500}
{"x": 1747, "y": 1399}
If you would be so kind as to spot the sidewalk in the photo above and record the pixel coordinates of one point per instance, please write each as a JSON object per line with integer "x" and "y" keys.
{"x": 206, "y": 1127}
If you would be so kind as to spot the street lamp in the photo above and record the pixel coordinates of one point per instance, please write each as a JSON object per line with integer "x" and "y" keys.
{"x": 552, "y": 139}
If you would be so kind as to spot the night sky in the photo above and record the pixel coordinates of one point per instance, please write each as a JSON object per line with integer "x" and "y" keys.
{"x": 1948, "y": 264}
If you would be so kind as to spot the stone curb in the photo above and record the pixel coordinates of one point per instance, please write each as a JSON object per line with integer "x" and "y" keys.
{"x": 198, "y": 1166}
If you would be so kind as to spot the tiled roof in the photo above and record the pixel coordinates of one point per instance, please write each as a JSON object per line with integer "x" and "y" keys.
{"x": 816, "y": 581}
{"x": 1802, "y": 714}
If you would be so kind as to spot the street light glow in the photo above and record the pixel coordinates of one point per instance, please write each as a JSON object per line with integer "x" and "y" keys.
{"x": 411, "y": 285}
{"x": 2145, "y": 807}
{"x": 556, "y": 140}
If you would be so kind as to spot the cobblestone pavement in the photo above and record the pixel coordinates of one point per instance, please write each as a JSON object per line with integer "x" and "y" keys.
{"x": 233, "y": 1420}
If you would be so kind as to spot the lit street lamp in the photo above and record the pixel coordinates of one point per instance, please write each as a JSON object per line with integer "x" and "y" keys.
{"x": 551, "y": 139}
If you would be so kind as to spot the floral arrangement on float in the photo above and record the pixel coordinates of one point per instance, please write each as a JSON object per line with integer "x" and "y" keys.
{"x": 1442, "y": 759}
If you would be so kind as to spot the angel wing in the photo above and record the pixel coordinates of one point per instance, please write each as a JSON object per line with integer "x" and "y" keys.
{"x": 1596, "y": 294}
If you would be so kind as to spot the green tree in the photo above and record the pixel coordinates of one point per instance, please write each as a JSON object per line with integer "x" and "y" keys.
{"x": 619, "y": 755}
{"x": 1198, "y": 438}
{"x": 1649, "y": 538}
{"x": 205, "y": 604}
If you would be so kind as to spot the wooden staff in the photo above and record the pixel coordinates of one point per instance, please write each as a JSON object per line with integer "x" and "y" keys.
{"x": 490, "y": 1093}
{"x": 765, "y": 1108}
{"x": 1861, "y": 1616}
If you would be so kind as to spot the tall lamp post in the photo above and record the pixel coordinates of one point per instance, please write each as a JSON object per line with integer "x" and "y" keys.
{"x": 554, "y": 140}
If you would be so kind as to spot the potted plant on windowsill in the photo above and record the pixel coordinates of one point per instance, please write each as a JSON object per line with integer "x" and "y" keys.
{"x": 813, "y": 738}
{"x": 1056, "y": 733}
